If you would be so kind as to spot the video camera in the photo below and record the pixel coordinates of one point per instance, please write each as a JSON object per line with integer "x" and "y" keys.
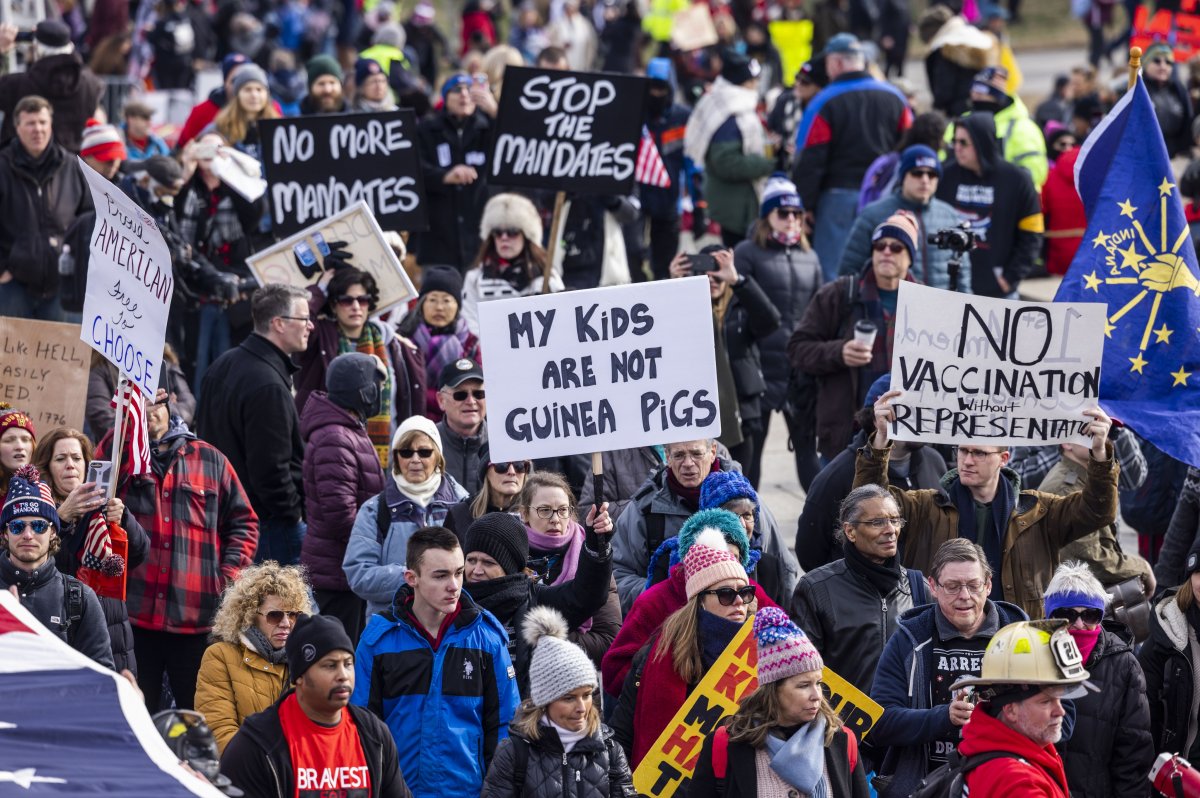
{"x": 958, "y": 239}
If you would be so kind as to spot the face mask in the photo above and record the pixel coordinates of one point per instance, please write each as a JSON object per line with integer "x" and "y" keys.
{"x": 656, "y": 105}
{"x": 788, "y": 239}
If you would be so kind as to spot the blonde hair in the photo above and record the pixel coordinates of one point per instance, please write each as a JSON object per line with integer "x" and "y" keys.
{"x": 234, "y": 123}
{"x": 528, "y": 719}
{"x": 1184, "y": 597}
{"x": 761, "y": 711}
{"x": 241, "y": 600}
{"x": 479, "y": 505}
{"x": 680, "y": 637}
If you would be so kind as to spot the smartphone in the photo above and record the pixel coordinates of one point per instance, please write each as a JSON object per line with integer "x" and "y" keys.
{"x": 25, "y": 36}
{"x": 322, "y": 246}
{"x": 205, "y": 152}
{"x": 702, "y": 263}
{"x": 100, "y": 472}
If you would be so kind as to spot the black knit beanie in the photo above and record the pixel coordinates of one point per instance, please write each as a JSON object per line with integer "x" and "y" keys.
{"x": 313, "y": 637}
{"x": 502, "y": 537}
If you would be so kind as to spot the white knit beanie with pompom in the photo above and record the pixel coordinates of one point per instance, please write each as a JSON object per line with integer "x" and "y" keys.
{"x": 558, "y": 666}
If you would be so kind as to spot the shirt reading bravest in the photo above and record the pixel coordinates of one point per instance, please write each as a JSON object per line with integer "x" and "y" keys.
{"x": 327, "y": 761}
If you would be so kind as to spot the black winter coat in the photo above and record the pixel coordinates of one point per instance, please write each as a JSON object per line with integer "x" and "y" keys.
{"x": 463, "y": 457}
{"x": 1111, "y": 751}
{"x": 247, "y": 412}
{"x": 116, "y": 613}
{"x": 741, "y": 777}
{"x": 454, "y": 212}
{"x": 72, "y": 89}
{"x": 1168, "y": 661}
{"x": 595, "y": 768}
{"x": 44, "y": 593}
{"x": 258, "y": 760}
{"x": 750, "y": 322}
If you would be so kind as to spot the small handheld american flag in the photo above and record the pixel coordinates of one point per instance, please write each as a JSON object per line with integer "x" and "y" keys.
{"x": 650, "y": 168}
{"x": 135, "y": 429}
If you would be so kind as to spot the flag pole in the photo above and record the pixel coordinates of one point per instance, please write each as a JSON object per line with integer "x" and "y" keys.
{"x": 1135, "y": 64}
{"x": 118, "y": 432}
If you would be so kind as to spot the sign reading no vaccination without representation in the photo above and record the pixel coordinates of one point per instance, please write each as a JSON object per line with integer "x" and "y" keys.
{"x": 568, "y": 131}
{"x": 994, "y": 371}
{"x": 317, "y": 166}
{"x": 602, "y": 369}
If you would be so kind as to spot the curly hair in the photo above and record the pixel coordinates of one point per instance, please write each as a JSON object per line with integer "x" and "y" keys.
{"x": 243, "y": 597}
{"x": 341, "y": 282}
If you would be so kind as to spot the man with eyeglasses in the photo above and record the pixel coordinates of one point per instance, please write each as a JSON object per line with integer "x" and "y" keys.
{"x": 29, "y": 527}
{"x": 463, "y": 401}
{"x": 1022, "y": 532}
{"x": 934, "y": 646}
{"x": 247, "y": 411}
{"x": 919, "y": 171}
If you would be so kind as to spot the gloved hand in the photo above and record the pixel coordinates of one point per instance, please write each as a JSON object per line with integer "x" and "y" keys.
{"x": 699, "y": 221}
{"x": 339, "y": 255}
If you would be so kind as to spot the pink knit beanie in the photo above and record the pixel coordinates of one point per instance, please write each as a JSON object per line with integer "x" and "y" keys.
{"x": 783, "y": 648}
{"x": 708, "y": 562}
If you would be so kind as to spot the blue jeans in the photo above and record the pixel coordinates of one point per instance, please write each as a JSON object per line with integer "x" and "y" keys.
{"x": 836, "y": 209}
{"x": 212, "y": 340}
{"x": 279, "y": 540}
{"x": 15, "y": 301}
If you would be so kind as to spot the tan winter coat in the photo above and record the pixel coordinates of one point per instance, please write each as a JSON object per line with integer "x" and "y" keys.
{"x": 234, "y": 683}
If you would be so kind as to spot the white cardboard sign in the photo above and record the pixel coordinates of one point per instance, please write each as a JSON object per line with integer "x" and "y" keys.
{"x": 602, "y": 369}
{"x": 129, "y": 286}
{"x": 995, "y": 372}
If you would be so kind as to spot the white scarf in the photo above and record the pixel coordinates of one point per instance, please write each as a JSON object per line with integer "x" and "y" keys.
{"x": 723, "y": 101}
{"x": 420, "y": 492}
{"x": 567, "y": 737}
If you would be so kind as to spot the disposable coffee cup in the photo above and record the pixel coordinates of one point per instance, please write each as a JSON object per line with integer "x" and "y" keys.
{"x": 864, "y": 332}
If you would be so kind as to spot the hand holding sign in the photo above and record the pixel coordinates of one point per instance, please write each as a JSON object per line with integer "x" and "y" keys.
{"x": 1098, "y": 429}
{"x": 885, "y": 414}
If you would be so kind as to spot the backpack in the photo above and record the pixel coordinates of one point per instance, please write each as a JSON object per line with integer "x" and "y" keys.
{"x": 720, "y": 754}
{"x": 73, "y": 604}
{"x": 950, "y": 780}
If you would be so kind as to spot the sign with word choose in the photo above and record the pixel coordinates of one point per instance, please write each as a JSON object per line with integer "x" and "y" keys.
{"x": 568, "y": 131}
{"x": 994, "y": 371}
{"x": 602, "y": 369}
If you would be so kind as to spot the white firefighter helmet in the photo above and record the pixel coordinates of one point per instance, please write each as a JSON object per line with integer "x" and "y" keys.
{"x": 1030, "y": 654}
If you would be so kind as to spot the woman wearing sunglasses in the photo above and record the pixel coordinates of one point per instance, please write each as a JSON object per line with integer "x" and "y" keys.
{"x": 499, "y": 491}
{"x": 244, "y": 671}
{"x": 719, "y": 600}
{"x": 548, "y": 508}
{"x": 511, "y": 261}
{"x": 340, "y": 304}
{"x": 419, "y": 493}
{"x": 825, "y": 345}
{"x": 1111, "y": 751}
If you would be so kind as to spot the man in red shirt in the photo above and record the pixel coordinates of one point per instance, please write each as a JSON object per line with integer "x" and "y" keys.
{"x": 311, "y": 743}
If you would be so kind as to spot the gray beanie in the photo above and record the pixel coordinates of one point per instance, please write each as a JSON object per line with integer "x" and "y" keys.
{"x": 249, "y": 73}
{"x": 558, "y": 666}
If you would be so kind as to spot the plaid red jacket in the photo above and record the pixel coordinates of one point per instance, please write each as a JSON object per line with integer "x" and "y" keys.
{"x": 202, "y": 533}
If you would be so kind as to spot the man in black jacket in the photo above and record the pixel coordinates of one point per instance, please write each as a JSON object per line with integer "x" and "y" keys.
{"x": 1000, "y": 202}
{"x": 312, "y": 742}
{"x": 28, "y": 541}
{"x": 247, "y": 411}
{"x": 42, "y": 191}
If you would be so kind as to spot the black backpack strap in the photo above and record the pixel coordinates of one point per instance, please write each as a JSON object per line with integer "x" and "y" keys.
{"x": 520, "y": 763}
{"x": 72, "y": 604}
{"x": 383, "y": 518}
{"x": 920, "y": 590}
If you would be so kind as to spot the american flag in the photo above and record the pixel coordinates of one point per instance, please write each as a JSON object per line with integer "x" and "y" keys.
{"x": 650, "y": 168}
{"x": 135, "y": 430}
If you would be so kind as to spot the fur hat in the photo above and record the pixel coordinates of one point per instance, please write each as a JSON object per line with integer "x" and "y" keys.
{"x": 511, "y": 211}
{"x": 783, "y": 648}
{"x": 1074, "y": 585}
{"x": 902, "y": 226}
{"x": 500, "y": 536}
{"x": 708, "y": 562}
{"x": 723, "y": 521}
{"x": 557, "y": 666}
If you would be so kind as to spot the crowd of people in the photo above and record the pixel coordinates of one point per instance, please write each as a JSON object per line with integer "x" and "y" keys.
{"x": 321, "y": 555}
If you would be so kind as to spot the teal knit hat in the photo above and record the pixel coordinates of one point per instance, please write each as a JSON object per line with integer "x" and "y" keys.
{"x": 729, "y": 525}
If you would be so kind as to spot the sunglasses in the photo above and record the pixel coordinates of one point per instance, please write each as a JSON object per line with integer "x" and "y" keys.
{"x": 929, "y": 173}
{"x": 506, "y": 232}
{"x": 894, "y": 247}
{"x": 406, "y": 454}
{"x": 275, "y": 617}
{"x": 39, "y": 526}
{"x": 726, "y": 595}
{"x": 788, "y": 213}
{"x": 1091, "y": 615}
{"x": 362, "y": 301}
{"x": 1160, "y": 61}
{"x": 519, "y": 467}
{"x": 461, "y": 396}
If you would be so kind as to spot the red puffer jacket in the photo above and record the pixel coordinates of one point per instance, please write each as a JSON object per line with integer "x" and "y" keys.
{"x": 1039, "y": 771}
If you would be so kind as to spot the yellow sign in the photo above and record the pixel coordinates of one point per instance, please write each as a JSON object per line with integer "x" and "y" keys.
{"x": 793, "y": 39}
{"x": 672, "y": 759}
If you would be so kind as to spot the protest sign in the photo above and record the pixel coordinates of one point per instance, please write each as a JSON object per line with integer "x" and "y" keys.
{"x": 369, "y": 252}
{"x": 1181, "y": 29}
{"x": 793, "y": 38}
{"x": 994, "y": 371}
{"x": 129, "y": 285}
{"x": 568, "y": 131}
{"x": 319, "y": 165}
{"x": 856, "y": 709}
{"x": 44, "y": 370}
{"x": 602, "y": 369}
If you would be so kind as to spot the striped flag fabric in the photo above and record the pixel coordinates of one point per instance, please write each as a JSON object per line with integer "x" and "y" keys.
{"x": 650, "y": 168}
{"x": 135, "y": 430}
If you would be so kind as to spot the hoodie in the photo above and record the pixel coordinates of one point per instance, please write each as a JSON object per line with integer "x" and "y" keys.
{"x": 72, "y": 89}
{"x": 1009, "y": 231}
{"x": 1035, "y": 770}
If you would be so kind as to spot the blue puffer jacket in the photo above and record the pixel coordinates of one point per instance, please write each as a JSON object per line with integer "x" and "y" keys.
{"x": 447, "y": 709}
{"x": 374, "y": 567}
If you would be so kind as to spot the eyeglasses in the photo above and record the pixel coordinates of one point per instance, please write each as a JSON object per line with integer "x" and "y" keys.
{"x": 1090, "y": 615}
{"x": 971, "y": 454}
{"x": 38, "y": 525}
{"x": 681, "y": 456}
{"x": 306, "y": 319}
{"x": 275, "y": 617}
{"x": 406, "y": 454}
{"x": 549, "y": 512}
{"x": 726, "y": 595}
{"x": 926, "y": 173}
{"x": 974, "y": 587}
{"x": 880, "y": 523}
{"x": 519, "y": 467}
{"x": 789, "y": 213}
{"x": 894, "y": 247}
{"x": 461, "y": 396}
{"x": 506, "y": 232}
{"x": 362, "y": 300}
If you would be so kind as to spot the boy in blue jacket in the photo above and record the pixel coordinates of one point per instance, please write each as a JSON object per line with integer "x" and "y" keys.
{"x": 436, "y": 669}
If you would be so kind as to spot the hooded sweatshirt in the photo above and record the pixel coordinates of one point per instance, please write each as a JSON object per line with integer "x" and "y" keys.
{"x": 1002, "y": 207}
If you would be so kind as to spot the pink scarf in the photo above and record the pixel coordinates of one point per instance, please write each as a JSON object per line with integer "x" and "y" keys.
{"x": 1086, "y": 640}
{"x": 544, "y": 542}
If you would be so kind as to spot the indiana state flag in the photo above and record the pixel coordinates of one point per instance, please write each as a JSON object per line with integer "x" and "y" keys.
{"x": 1137, "y": 257}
